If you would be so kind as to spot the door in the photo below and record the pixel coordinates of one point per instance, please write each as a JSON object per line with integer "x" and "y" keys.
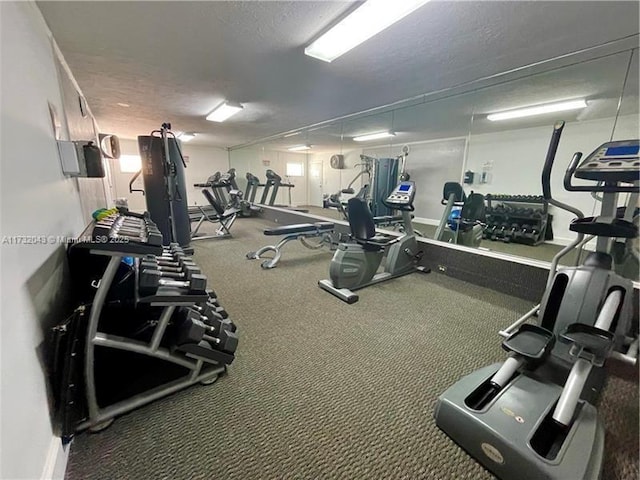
{"x": 315, "y": 183}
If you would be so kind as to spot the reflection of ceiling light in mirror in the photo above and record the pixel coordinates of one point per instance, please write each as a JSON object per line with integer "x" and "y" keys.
{"x": 224, "y": 111}
{"x": 373, "y": 136}
{"x": 363, "y": 23}
{"x": 124, "y": 105}
{"x": 538, "y": 110}
{"x": 186, "y": 137}
{"x": 299, "y": 148}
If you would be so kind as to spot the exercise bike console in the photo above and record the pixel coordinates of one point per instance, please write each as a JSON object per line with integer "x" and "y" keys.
{"x": 401, "y": 198}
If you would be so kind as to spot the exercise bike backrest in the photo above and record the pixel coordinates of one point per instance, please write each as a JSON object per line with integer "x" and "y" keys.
{"x": 361, "y": 220}
{"x": 455, "y": 189}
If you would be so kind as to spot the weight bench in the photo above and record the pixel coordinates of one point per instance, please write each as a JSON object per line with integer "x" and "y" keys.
{"x": 300, "y": 231}
{"x": 215, "y": 214}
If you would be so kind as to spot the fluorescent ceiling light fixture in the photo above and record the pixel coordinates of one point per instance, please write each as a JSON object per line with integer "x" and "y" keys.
{"x": 291, "y": 134}
{"x": 224, "y": 111}
{"x": 130, "y": 163}
{"x": 538, "y": 110}
{"x": 299, "y": 148}
{"x": 373, "y": 136}
{"x": 360, "y": 25}
{"x": 186, "y": 137}
{"x": 124, "y": 105}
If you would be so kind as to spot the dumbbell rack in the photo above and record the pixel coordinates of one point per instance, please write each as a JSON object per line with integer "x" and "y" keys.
{"x": 201, "y": 370}
{"x": 538, "y": 220}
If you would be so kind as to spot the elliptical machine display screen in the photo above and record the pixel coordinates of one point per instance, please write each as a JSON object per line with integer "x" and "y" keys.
{"x": 626, "y": 150}
{"x": 404, "y": 188}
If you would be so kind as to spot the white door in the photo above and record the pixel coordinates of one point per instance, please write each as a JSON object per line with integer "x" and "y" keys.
{"x": 315, "y": 183}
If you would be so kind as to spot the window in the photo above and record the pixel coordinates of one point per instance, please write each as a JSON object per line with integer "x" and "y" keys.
{"x": 295, "y": 170}
{"x": 130, "y": 163}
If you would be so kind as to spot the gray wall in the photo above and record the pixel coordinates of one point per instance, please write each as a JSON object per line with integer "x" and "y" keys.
{"x": 36, "y": 200}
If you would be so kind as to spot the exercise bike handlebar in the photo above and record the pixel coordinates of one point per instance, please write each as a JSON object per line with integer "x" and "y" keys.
{"x": 395, "y": 206}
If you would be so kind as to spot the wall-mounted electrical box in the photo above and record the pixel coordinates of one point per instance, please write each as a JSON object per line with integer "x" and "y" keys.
{"x": 80, "y": 159}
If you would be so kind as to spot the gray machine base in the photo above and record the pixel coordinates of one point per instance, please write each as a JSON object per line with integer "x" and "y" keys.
{"x": 499, "y": 435}
{"x": 347, "y": 295}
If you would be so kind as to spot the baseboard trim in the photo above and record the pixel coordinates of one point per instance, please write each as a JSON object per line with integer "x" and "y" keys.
{"x": 56, "y": 464}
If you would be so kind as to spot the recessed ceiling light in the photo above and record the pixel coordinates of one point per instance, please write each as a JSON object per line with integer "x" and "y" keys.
{"x": 186, "y": 137}
{"x": 224, "y": 111}
{"x": 538, "y": 110}
{"x": 125, "y": 105}
{"x": 363, "y": 23}
{"x": 299, "y": 148}
{"x": 373, "y": 136}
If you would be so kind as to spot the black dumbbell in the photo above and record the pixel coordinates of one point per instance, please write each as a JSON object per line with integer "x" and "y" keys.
{"x": 216, "y": 322}
{"x": 150, "y": 280}
{"x": 194, "y": 331}
{"x": 211, "y": 309}
{"x": 177, "y": 262}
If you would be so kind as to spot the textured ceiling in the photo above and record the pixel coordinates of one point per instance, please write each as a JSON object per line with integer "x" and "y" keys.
{"x": 175, "y": 61}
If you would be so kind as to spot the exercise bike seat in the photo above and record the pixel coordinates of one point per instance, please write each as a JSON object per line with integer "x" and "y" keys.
{"x": 300, "y": 228}
{"x": 530, "y": 341}
{"x": 589, "y": 342}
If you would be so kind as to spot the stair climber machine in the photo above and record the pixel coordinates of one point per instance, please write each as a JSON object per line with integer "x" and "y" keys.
{"x": 534, "y": 416}
{"x": 355, "y": 264}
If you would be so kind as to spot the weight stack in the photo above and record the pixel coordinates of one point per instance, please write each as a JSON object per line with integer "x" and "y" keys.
{"x": 155, "y": 173}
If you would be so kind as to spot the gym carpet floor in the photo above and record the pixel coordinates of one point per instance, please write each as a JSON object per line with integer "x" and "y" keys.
{"x": 325, "y": 390}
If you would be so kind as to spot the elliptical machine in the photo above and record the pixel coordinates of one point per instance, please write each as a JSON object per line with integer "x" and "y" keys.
{"x": 534, "y": 416}
{"x": 354, "y": 264}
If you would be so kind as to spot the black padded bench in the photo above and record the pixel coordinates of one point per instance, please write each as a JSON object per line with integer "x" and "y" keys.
{"x": 298, "y": 231}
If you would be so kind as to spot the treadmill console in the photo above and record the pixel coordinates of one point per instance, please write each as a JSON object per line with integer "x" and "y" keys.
{"x": 612, "y": 162}
{"x": 402, "y": 195}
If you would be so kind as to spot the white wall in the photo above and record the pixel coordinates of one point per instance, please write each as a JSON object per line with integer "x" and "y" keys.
{"x": 36, "y": 199}
{"x": 517, "y": 158}
{"x": 202, "y": 162}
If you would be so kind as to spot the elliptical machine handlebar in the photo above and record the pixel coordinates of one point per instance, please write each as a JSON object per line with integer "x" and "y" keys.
{"x": 546, "y": 173}
{"x": 591, "y": 188}
{"x": 551, "y": 156}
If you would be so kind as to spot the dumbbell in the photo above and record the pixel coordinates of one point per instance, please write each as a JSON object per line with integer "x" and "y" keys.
{"x": 211, "y": 308}
{"x": 172, "y": 248}
{"x": 185, "y": 273}
{"x": 217, "y": 323}
{"x": 150, "y": 280}
{"x": 194, "y": 331}
{"x": 152, "y": 263}
{"x": 176, "y": 260}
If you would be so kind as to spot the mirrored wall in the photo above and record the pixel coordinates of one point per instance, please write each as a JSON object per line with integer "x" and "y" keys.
{"x": 478, "y": 175}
